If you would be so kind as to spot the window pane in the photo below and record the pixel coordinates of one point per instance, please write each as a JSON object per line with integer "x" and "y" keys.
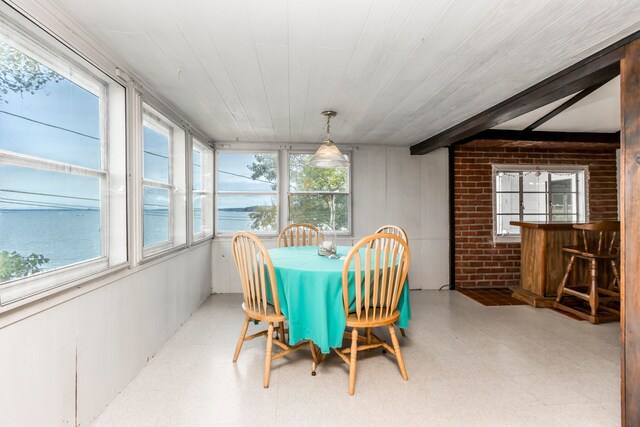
{"x": 563, "y": 182}
{"x": 156, "y": 215}
{"x": 45, "y": 115}
{"x": 303, "y": 177}
{"x": 564, "y": 218}
{"x": 508, "y": 203}
{"x": 534, "y": 181}
{"x": 508, "y": 181}
{"x": 52, "y": 214}
{"x": 156, "y": 154}
{"x": 503, "y": 226}
{"x": 535, "y": 218}
{"x": 325, "y": 211}
{"x": 238, "y": 212}
{"x": 197, "y": 214}
{"x": 564, "y": 203}
{"x": 247, "y": 172}
{"x": 534, "y": 203}
{"x": 197, "y": 170}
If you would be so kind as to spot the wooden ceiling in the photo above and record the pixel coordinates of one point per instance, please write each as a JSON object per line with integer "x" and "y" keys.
{"x": 396, "y": 71}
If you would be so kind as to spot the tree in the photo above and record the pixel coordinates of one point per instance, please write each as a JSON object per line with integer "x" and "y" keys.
{"x": 323, "y": 206}
{"x": 19, "y": 73}
{"x": 13, "y": 265}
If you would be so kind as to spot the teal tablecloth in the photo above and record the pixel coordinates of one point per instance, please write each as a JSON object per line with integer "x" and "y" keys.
{"x": 310, "y": 291}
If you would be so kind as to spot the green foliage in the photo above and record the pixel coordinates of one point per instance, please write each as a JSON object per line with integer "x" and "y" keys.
{"x": 265, "y": 167}
{"x": 13, "y": 265}
{"x": 264, "y": 217}
{"x": 328, "y": 211}
{"x": 20, "y": 73}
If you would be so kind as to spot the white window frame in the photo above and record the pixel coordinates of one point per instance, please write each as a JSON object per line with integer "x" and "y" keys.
{"x": 40, "y": 46}
{"x": 275, "y": 193}
{"x": 581, "y": 196}
{"x": 349, "y": 192}
{"x": 176, "y": 185}
{"x": 206, "y": 191}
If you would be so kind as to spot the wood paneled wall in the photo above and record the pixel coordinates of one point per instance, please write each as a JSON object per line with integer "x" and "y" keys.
{"x": 64, "y": 365}
{"x": 389, "y": 187}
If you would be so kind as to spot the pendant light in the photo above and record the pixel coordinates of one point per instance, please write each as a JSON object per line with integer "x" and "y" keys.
{"x": 328, "y": 155}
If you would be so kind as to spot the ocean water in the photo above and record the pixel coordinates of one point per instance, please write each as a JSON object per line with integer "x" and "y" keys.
{"x": 71, "y": 236}
{"x": 63, "y": 236}
{"x": 233, "y": 220}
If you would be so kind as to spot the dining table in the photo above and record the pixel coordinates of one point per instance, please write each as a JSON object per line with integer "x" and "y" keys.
{"x": 310, "y": 294}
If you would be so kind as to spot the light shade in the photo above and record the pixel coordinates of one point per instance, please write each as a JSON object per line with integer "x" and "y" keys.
{"x": 328, "y": 156}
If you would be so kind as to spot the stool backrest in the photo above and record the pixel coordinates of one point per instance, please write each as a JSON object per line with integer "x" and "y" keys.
{"x": 607, "y": 231}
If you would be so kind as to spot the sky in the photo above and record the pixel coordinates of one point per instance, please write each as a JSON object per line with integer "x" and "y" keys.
{"x": 59, "y": 122}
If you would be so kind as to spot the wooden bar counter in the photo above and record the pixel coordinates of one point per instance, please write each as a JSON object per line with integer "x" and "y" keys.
{"x": 542, "y": 263}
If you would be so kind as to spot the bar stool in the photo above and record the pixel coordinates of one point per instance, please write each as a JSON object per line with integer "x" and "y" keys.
{"x": 599, "y": 250}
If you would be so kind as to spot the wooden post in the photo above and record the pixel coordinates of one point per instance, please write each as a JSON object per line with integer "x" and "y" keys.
{"x": 630, "y": 236}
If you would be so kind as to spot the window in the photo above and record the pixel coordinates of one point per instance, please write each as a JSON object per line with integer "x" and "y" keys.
{"x": 247, "y": 192}
{"x": 551, "y": 194}
{"x": 163, "y": 183}
{"x": 202, "y": 193}
{"x": 318, "y": 196}
{"x": 62, "y": 169}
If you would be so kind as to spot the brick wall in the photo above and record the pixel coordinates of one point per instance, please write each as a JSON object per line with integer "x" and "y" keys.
{"x": 478, "y": 260}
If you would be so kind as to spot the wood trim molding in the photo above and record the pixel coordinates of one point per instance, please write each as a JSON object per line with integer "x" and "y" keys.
{"x": 593, "y": 70}
{"x": 630, "y": 235}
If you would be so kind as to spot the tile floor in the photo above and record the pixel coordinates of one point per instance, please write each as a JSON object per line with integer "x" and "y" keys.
{"x": 468, "y": 365}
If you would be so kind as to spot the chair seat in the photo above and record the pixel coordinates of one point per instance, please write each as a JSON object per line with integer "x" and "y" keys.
{"x": 366, "y": 319}
{"x": 580, "y": 252}
{"x": 270, "y": 316}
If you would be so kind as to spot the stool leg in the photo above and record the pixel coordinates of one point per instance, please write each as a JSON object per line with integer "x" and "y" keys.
{"x": 616, "y": 276}
{"x": 593, "y": 295}
{"x": 565, "y": 278}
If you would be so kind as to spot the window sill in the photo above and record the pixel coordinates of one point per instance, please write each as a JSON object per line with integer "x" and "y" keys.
{"x": 507, "y": 239}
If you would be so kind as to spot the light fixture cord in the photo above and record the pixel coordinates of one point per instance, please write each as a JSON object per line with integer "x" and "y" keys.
{"x": 328, "y": 127}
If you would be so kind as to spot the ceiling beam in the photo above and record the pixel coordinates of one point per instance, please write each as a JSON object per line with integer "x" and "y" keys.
{"x": 543, "y": 136}
{"x": 595, "y": 69}
{"x": 575, "y": 99}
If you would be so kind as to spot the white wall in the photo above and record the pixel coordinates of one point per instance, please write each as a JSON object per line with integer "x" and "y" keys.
{"x": 92, "y": 346}
{"x": 389, "y": 187}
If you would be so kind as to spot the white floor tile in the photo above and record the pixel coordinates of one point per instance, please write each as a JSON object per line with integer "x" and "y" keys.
{"x": 468, "y": 365}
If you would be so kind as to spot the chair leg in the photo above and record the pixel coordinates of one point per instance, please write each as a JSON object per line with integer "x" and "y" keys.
{"x": 283, "y": 339}
{"x": 396, "y": 349}
{"x": 315, "y": 358}
{"x": 565, "y": 278}
{"x": 352, "y": 363}
{"x": 593, "y": 295}
{"x": 243, "y": 333}
{"x": 267, "y": 358}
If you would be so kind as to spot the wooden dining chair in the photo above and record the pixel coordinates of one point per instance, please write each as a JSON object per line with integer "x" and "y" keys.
{"x": 395, "y": 230}
{"x": 299, "y": 235}
{"x": 598, "y": 248}
{"x": 380, "y": 265}
{"x": 398, "y": 231}
{"x": 258, "y": 285}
